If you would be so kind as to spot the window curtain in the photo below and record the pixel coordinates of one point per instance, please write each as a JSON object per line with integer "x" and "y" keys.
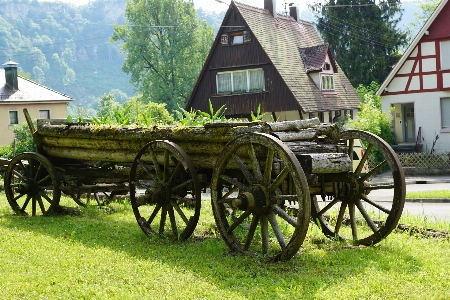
{"x": 257, "y": 80}
{"x": 224, "y": 83}
{"x": 240, "y": 81}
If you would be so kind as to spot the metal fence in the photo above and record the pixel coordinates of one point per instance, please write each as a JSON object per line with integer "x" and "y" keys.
{"x": 425, "y": 160}
{"x": 418, "y": 160}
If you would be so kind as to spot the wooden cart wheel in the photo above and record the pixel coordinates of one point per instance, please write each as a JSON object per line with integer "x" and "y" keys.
{"x": 164, "y": 183}
{"x": 31, "y": 185}
{"x": 254, "y": 176}
{"x": 354, "y": 199}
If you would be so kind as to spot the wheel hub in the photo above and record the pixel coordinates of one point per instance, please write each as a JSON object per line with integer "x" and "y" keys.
{"x": 29, "y": 187}
{"x": 159, "y": 193}
{"x": 256, "y": 199}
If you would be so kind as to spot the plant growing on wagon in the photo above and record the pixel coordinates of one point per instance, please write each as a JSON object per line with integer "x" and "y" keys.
{"x": 259, "y": 116}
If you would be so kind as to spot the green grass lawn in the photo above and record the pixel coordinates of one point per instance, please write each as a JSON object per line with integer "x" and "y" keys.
{"x": 103, "y": 254}
{"x": 437, "y": 194}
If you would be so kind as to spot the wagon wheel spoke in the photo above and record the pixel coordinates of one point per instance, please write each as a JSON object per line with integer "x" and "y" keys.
{"x": 176, "y": 172}
{"x": 362, "y": 196}
{"x": 276, "y": 229}
{"x": 33, "y": 206}
{"x": 251, "y": 232}
{"x": 280, "y": 178}
{"x": 29, "y": 177}
{"x": 182, "y": 185}
{"x": 239, "y": 220}
{"x": 25, "y": 204}
{"x": 374, "y": 171}
{"x": 173, "y": 222}
{"x": 363, "y": 160}
{"x": 264, "y": 234}
{"x": 171, "y": 190}
{"x": 162, "y": 222}
{"x": 179, "y": 211}
{"x": 366, "y": 216}
{"x": 155, "y": 163}
{"x": 263, "y": 188}
{"x": 284, "y": 215}
{"x": 255, "y": 163}
{"x": 244, "y": 169}
{"x": 380, "y": 207}
{"x": 165, "y": 177}
{"x": 234, "y": 182}
{"x": 38, "y": 171}
{"x": 329, "y": 206}
{"x": 340, "y": 217}
{"x": 146, "y": 168}
{"x": 41, "y": 203}
{"x": 154, "y": 213}
{"x": 351, "y": 209}
{"x": 268, "y": 166}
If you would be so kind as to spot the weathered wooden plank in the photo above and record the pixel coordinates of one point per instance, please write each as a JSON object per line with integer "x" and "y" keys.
{"x": 294, "y": 125}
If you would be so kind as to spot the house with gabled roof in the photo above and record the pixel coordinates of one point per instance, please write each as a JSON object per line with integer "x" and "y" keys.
{"x": 418, "y": 87}
{"x": 280, "y": 63}
{"x": 17, "y": 93}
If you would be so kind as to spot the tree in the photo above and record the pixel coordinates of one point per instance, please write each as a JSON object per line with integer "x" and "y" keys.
{"x": 165, "y": 44}
{"x": 427, "y": 8}
{"x": 363, "y": 35}
{"x": 370, "y": 116}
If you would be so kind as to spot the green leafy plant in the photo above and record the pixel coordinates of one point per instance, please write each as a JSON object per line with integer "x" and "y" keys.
{"x": 259, "y": 116}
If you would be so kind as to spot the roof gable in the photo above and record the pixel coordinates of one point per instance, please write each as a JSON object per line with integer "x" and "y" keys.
{"x": 315, "y": 57}
{"x": 441, "y": 22}
{"x": 29, "y": 91}
{"x": 281, "y": 38}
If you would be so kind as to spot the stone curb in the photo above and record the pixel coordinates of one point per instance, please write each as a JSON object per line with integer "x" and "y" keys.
{"x": 429, "y": 200}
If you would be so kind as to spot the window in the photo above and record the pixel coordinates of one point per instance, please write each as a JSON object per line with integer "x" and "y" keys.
{"x": 13, "y": 117}
{"x": 241, "y": 81}
{"x": 445, "y": 113}
{"x": 44, "y": 114}
{"x": 327, "y": 82}
{"x": 236, "y": 38}
{"x": 445, "y": 58}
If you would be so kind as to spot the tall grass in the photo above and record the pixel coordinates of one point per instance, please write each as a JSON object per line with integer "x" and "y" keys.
{"x": 102, "y": 254}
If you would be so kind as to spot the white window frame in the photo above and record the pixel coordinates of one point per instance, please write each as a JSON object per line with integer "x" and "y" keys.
{"x": 16, "y": 117}
{"x": 445, "y": 55}
{"x": 47, "y": 111}
{"x": 445, "y": 114}
{"x": 329, "y": 86}
{"x": 247, "y": 90}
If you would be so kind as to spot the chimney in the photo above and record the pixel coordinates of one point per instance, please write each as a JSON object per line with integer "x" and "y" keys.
{"x": 294, "y": 13}
{"x": 11, "y": 74}
{"x": 271, "y": 5}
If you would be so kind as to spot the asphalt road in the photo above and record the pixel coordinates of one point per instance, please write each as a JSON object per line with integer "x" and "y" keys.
{"x": 430, "y": 209}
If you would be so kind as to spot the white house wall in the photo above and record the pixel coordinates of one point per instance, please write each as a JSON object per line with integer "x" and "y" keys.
{"x": 427, "y": 107}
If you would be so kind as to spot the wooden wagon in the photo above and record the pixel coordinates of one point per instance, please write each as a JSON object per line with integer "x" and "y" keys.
{"x": 266, "y": 180}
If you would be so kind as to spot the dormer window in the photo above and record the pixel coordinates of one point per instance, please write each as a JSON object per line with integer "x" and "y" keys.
{"x": 236, "y": 38}
{"x": 327, "y": 82}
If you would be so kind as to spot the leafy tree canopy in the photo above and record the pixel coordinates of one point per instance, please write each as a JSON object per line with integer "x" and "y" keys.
{"x": 363, "y": 35}
{"x": 427, "y": 7}
{"x": 165, "y": 44}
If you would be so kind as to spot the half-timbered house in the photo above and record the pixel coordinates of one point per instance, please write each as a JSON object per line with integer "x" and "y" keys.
{"x": 280, "y": 63}
{"x": 418, "y": 87}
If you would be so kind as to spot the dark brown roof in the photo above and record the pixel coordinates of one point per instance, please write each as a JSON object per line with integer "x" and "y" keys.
{"x": 281, "y": 39}
{"x": 314, "y": 57}
{"x": 29, "y": 91}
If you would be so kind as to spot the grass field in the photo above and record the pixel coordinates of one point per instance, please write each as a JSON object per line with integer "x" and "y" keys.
{"x": 103, "y": 254}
